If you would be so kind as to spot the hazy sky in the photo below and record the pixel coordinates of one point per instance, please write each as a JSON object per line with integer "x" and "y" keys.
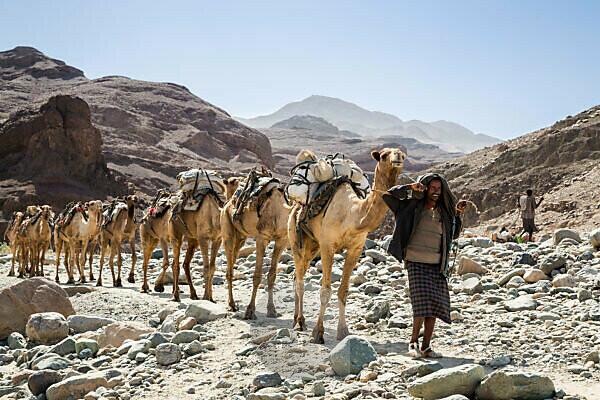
{"x": 502, "y": 68}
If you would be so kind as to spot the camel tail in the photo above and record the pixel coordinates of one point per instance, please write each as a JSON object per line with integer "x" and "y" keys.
{"x": 305, "y": 155}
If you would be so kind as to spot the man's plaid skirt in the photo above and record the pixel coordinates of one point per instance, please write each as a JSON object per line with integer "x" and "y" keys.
{"x": 429, "y": 294}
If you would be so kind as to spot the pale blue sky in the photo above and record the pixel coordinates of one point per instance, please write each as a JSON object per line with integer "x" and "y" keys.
{"x": 502, "y": 68}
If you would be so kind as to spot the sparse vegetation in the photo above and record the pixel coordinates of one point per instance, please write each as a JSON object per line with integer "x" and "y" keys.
{"x": 4, "y": 249}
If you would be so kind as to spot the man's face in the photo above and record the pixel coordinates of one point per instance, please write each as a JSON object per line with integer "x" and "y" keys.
{"x": 434, "y": 190}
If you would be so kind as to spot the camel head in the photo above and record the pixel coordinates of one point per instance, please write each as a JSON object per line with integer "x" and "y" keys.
{"x": 132, "y": 200}
{"x": 32, "y": 210}
{"x": 47, "y": 213}
{"x": 390, "y": 163}
{"x": 231, "y": 185}
{"x": 94, "y": 206}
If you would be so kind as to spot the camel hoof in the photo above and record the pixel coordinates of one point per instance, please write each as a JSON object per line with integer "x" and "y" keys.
{"x": 71, "y": 281}
{"x": 20, "y": 276}
{"x": 99, "y": 283}
{"x": 342, "y": 333}
{"x": 317, "y": 337}
{"x": 11, "y": 273}
{"x": 92, "y": 278}
{"x": 233, "y": 307}
{"x": 250, "y": 314}
{"x": 272, "y": 313}
{"x": 208, "y": 298}
{"x": 176, "y": 299}
{"x": 82, "y": 280}
{"x": 144, "y": 289}
{"x": 159, "y": 289}
{"x": 57, "y": 280}
{"x": 118, "y": 283}
{"x": 194, "y": 296}
{"x": 131, "y": 278}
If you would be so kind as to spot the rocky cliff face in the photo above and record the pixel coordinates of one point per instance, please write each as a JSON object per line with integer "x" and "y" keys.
{"x": 51, "y": 153}
{"x": 548, "y": 161}
{"x": 150, "y": 131}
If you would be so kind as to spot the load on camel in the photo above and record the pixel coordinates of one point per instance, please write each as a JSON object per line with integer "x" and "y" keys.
{"x": 75, "y": 227}
{"x": 259, "y": 210}
{"x": 195, "y": 218}
{"x": 341, "y": 220}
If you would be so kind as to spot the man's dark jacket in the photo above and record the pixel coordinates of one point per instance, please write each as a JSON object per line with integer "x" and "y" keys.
{"x": 407, "y": 206}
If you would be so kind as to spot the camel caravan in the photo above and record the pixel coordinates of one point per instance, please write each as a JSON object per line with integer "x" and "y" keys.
{"x": 327, "y": 207}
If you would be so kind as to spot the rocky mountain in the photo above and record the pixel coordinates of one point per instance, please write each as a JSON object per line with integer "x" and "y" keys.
{"x": 560, "y": 163}
{"x": 447, "y": 135}
{"x": 312, "y": 123}
{"x": 150, "y": 131}
{"x": 51, "y": 154}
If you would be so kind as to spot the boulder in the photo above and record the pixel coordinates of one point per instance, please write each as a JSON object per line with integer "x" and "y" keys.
{"x": 76, "y": 387}
{"x": 50, "y": 361}
{"x": 377, "y": 310}
{"x": 534, "y": 275}
{"x": 89, "y": 344}
{"x": 595, "y": 238}
{"x": 553, "y": 261}
{"x": 482, "y": 242}
{"x": 204, "y": 311}
{"x": 185, "y": 337}
{"x": 64, "y": 347}
{"x": 561, "y": 234}
{"x": 116, "y": 333}
{"x": 507, "y": 277}
{"x": 524, "y": 259}
{"x": 16, "y": 341}
{"x": 521, "y": 303}
{"x": 472, "y": 286}
{"x": 267, "y": 379}
{"x": 84, "y": 323}
{"x": 509, "y": 384}
{"x": 563, "y": 280}
{"x": 377, "y": 255}
{"x": 47, "y": 328}
{"x": 466, "y": 265}
{"x": 141, "y": 346}
{"x": 167, "y": 354}
{"x": 515, "y": 282}
{"x": 172, "y": 321}
{"x": 39, "y": 381}
{"x": 462, "y": 380}
{"x": 349, "y": 356}
{"x": 20, "y": 300}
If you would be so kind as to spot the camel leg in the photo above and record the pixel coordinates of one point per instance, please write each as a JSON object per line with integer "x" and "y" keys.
{"x": 203, "y": 244}
{"x": 111, "y": 262}
{"x": 147, "y": 247}
{"x": 21, "y": 255}
{"x": 214, "y": 250}
{"x": 279, "y": 245}
{"x": 13, "y": 251}
{"x": 176, "y": 245}
{"x": 101, "y": 263}
{"x": 260, "y": 253}
{"x": 119, "y": 263}
{"x": 69, "y": 264}
{"x": 159, "y": 285}
{"x": 131, "y": 240}
{"x": 325, "y": 294}
{"x": 43, "y": 258}
{"x": 33, "y": 249}
{"x": 232, "y": 255}
{"x": 302, "y": 258}
{"x": 352, "y": 257}
{"x": 91, "y": 260}
{"x": 81, "y": 260}
{"x": 186, "y": 267}
{"x": 57, "y": 249}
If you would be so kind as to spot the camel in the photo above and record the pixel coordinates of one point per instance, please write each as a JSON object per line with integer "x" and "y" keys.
{"x": 131, "y": 228}
{"x": 200, "y": 228}
{"x": 264, "y": 224}
{"x": 111, "y": 236}
{"x": 77, "y": 234}
{"x": 10, "y": 237}
{"x": 94, "y": 241}
{"x": 343, "y": 225}
{"x": 153, "y": 231}
{"x": 27, "y": 258}
{"x": 39, "y": 234}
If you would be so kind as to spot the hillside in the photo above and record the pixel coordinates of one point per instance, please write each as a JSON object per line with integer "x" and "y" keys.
{"x": 449, "y": 136}
{"x": 560, "y": 163}
{"x": 150, "y": 131}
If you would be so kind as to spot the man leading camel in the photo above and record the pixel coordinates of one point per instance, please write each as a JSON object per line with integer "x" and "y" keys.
{"x": 528, "y": 205}
{"x": 427, "y": 220}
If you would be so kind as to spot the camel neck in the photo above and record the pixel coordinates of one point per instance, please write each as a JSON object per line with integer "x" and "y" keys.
{"x": 373, "y": 208}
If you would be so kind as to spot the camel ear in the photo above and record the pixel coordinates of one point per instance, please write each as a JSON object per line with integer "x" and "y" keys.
{"x": 376, "y": 155}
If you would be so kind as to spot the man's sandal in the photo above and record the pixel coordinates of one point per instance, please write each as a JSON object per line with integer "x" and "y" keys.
{"x": 429, "y": 353}
{"x": 413, "y": 350}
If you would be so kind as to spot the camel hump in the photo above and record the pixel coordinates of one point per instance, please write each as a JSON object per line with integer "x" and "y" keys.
{"x": 305, "y": 155}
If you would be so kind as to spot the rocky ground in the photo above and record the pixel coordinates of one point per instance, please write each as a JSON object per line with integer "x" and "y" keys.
{"x": 526, "y": 317}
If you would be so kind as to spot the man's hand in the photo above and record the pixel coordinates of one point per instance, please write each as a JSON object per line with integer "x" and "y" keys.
{"x": 461, "y": 207}
{"x": 417, "y": 187}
